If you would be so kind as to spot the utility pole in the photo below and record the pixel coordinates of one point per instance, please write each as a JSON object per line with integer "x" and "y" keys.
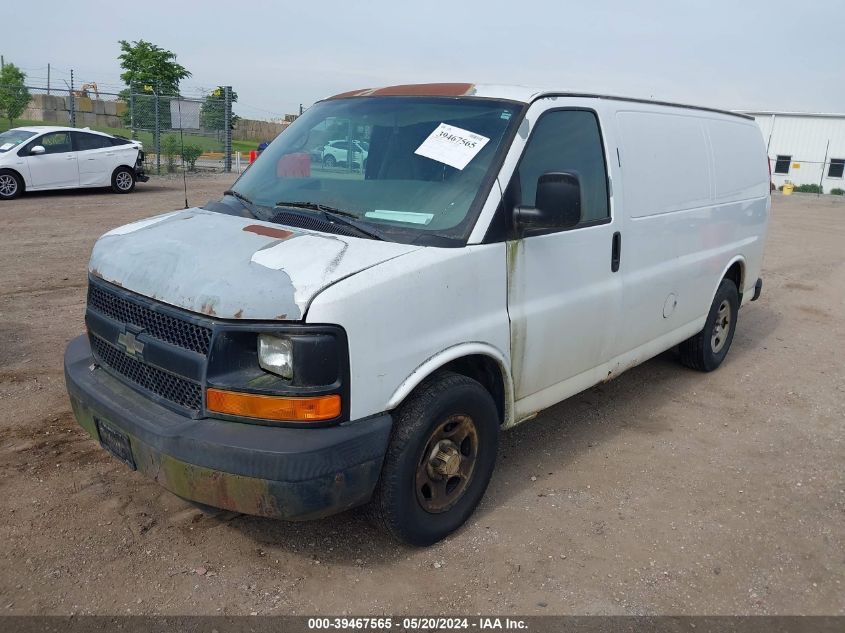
{"x": 227, "y": 125}
{"x": 300, "y": 109}
{"x": 2, "y": 62}
{"x": 72, "y": 102}
{"x": 158, "y": 131}
{"x": 48, "y": 78}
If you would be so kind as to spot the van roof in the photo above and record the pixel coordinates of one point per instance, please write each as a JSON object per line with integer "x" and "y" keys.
{"x": 524, "y": 94}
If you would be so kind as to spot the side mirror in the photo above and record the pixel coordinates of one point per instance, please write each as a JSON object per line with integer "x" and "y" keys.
{"x": 557, "y": 203}
{"x": 38, "y": 149}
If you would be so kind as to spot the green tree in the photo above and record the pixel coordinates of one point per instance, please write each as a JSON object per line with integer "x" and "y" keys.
{"x": 147, "y": 67}
{"x": 153, "y": 73}
{"x": 213, "y": 111}
{"x": 14, "y": 97}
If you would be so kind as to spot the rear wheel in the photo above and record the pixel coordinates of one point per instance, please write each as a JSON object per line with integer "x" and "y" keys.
{"x": 11, "y": 185}
{"x": 439, "y": 461}
{"x": 123, "y": 180}
{"x": 706, "y": 350}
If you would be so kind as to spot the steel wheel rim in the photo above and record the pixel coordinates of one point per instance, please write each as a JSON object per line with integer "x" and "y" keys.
{"x": 8, "y": 185}
{"x": 722, "y": 327}
{"x": 124, "y": 181}
{"x": 447, "y": 464}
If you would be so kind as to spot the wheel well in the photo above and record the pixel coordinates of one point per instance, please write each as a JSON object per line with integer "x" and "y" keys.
{"x": 9, "y": 170}
{"x": 486, "y": 371}
{"x": 736, "y": 273}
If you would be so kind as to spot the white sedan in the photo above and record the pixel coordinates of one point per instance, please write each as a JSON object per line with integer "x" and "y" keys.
{"x": 40, "y": 157}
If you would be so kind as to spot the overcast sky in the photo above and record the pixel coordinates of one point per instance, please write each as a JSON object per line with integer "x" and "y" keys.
{"x": 742, "y": 54}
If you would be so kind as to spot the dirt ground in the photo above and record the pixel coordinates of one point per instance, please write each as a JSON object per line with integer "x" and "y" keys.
{"x": 665, "y": 491}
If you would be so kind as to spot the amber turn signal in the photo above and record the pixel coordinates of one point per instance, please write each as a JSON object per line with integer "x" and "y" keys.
{"x": 253, "y": 405}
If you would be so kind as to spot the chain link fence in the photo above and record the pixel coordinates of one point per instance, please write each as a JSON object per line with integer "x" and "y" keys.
{"x": 177, "y": 131}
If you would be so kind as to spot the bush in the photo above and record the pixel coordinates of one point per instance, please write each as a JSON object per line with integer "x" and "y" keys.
{"x": 836, "y": 191}
{"x": 190, "y": 154}
{"x": 808, "y": 189}
{"x": 170, "y": 150}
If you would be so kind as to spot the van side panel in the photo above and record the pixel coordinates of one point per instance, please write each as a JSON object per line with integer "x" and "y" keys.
{"x": 695, "y": 198}
{"x": 666, "y": 164}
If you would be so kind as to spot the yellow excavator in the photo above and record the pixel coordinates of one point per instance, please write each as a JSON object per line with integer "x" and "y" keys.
{"x": 83, "y": 92}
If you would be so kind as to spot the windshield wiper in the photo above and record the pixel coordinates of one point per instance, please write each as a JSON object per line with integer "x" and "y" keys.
{"x": 315, "y": 206}
{"x": 338, "y": 216}
{"x": 248, "y": 204}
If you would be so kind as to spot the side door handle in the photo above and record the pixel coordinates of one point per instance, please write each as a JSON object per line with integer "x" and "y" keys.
{"x": 616, "y": 252}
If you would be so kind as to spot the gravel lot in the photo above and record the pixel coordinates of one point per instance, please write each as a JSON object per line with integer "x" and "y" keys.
{"x": 664, "y": 491}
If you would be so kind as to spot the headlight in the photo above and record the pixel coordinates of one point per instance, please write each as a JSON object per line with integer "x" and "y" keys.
{"x": 275, "y": 354}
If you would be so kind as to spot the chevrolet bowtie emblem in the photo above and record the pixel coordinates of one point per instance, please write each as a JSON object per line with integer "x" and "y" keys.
{"x": 131, "y": 345}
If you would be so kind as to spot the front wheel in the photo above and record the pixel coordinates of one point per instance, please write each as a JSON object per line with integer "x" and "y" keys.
{"x": 10, "y": 185}
{"x": 439, "y": 461}
{"x": 123, "y": 180}
{"x": 329, "y": 161}
{"x": 706, "y": 350}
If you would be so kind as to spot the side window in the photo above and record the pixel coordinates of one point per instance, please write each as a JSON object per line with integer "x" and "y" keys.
{"x": 55, "y": 142}
{"x": 782, "y": 164}
{"x": 570, "y": 141}
{"x": 837, "y": 168}
{"x": 83, "y": 141}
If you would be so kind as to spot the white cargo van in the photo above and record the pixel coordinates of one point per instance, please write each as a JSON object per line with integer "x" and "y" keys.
{"x": 332, "y": 333}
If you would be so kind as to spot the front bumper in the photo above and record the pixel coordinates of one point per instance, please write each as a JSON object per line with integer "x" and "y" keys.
{"x": 290, "y": 473}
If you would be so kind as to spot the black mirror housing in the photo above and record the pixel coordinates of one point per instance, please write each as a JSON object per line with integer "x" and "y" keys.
{"x": 557, "y": 203}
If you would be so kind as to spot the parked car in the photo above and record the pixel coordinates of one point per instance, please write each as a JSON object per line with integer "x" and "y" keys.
{"x": 336, "y": 153}
{"x": 309, "y": 344}
{"x": 39, "y": 158}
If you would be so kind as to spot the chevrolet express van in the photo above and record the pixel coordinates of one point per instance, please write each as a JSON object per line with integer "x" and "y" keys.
{"x": 333, "y": 333}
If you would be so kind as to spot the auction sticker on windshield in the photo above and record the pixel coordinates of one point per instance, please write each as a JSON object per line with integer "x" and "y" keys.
{"x": 452, "y": 145}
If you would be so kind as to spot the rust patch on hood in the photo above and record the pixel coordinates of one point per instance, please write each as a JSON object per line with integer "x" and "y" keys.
{"x": 239, "y": 313}
{"x": 208, "y": 308}
{"x": 268, "y": 231}
{"x": 412, "y": 90}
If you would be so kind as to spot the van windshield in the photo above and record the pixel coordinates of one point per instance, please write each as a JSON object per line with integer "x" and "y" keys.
{"x": 410, "y": 167}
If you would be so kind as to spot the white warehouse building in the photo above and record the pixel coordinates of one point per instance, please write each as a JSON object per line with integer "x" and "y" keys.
{"x": 804, "y": 148}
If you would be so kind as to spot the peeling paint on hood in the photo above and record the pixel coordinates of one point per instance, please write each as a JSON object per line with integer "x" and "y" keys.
{"x": 231, "y": 267}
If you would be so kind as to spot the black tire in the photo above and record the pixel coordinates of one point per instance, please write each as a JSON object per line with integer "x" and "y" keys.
{"x": 445, "y": 401}
{"x": 329, "y": 161}
{"x": 123, "y": 180}
{"x": 706, "y": 350}
{"x": 11, "y": 185}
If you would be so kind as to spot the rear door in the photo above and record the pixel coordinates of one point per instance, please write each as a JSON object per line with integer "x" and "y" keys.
{"x": 563, "y": 290}
{"x": 97, "y": 159}
{"x": 57, "y": 167}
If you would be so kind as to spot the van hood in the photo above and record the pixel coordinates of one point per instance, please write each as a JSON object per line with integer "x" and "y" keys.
{"x": 231, "y": 267}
